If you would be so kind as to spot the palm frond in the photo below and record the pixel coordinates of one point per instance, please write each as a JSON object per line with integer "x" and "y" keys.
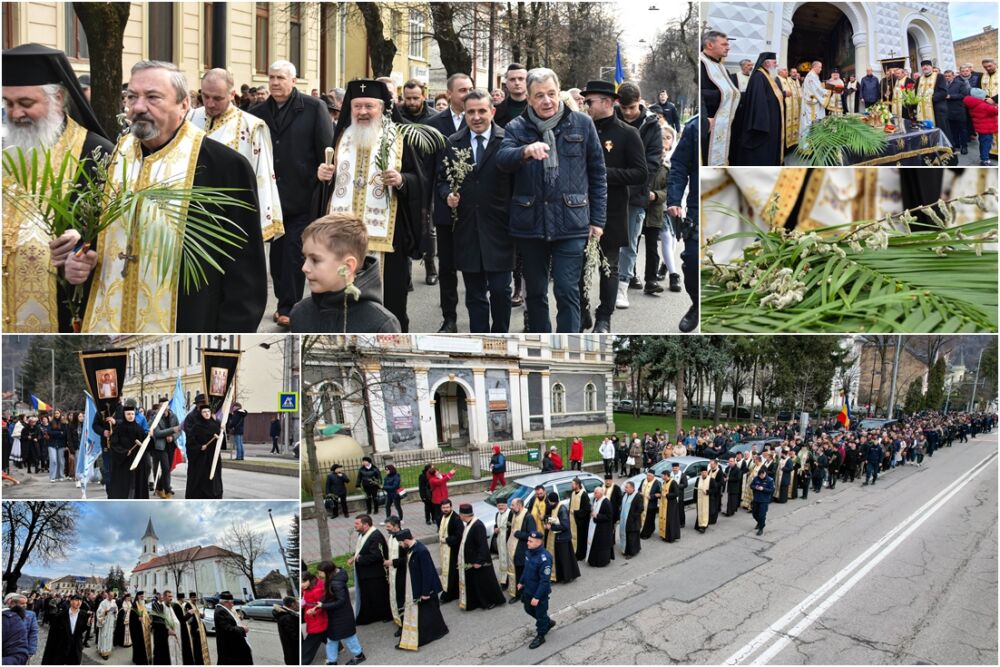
{"x": 424, "y": 138}
{"x": 826, "y": 140}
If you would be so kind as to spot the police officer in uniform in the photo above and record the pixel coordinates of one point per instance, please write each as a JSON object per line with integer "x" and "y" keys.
{"x": 535, "y": 586}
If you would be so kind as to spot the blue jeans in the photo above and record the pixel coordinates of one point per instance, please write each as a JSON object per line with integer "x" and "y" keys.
{"x": 871, "y": 471}
{"x": 626, "y": 260}
{"x": 55, "y": 463}
{"x": 985, "y": 144}
{"x": 239, "y": 446}
{"x": 333, "y": 647}
{"x": 566, "y": 258}
{"x": 480, "y": 307}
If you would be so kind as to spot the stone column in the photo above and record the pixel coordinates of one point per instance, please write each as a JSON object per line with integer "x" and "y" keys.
{"x": 515, "y": 404}
{"x": 525, "y": 415}
{"x": 377, "y": 407}
{"x": 478, "y": 412}
{"x": 782, "y": 50}
{"x": 862, "y": 60}
{"x": 428, "y": 434}
{"x": 546, "y": 404}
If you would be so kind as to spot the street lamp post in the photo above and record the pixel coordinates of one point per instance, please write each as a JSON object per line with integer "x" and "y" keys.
{"x": 52, "y": 354}
{"x": 972, "y": 404}
{"x": 284, "y": 555}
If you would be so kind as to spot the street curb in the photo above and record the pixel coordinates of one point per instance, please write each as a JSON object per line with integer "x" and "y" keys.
{"x": 260, "y": 468}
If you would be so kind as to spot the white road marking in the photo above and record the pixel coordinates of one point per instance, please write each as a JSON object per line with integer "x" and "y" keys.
{"x": 908, "y": 525}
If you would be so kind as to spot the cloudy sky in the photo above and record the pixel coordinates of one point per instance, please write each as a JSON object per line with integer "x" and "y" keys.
{"x": 969, "y": 18}
{"x": 110, "y": 532}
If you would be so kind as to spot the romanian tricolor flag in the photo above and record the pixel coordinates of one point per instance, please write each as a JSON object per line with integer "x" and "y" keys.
{"x": 39, "y": 404}
{"x": 619, "y": 69}
{"x": 844, "y": 417}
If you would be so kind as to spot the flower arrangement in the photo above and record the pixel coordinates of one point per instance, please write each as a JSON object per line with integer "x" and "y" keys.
{"x": 456, "y": 168}
{"x": 876, "y": 276}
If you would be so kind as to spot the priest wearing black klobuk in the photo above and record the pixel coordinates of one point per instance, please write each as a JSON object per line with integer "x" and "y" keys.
{"x": 649, "y": 492}
{"x": 143, "y": 269}
{"x": 759, "y": 131}
{"x": 449, "y": 539}
{"x": 201, "y": 432}
{"x": 600, "y": 535}
{"x": 422, "y": 619}
{"x": 477, "y": 582}
{"x": 371, "y": 582}
{"x": 46, "y": 111}
{"x": 734, "y": 486}
{"x": 140, "y": 629}
{"x": 668, "y": 518}
{"x": 390, "y": 201}
{"x": 559, "y": 541}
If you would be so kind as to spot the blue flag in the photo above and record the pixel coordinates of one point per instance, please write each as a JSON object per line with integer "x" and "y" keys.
{"x": 619, "y": 69}
{"x": 90, "y": 441}
{"x": 177, "y": 407}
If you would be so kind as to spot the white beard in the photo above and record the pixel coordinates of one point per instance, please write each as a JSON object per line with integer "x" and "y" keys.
{"x": 41, "y": 134}
{"x": 365, "y": 137}
{"x": 773, "y": 72}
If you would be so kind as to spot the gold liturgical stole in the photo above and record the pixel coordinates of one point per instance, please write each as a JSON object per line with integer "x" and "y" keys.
{"x": 128, "y": 293}
{"x": 29, "y": 279}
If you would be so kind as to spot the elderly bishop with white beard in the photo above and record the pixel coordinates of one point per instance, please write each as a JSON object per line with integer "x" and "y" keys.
{"x": 46, "y": 111}
{"x": 377, "y": 175}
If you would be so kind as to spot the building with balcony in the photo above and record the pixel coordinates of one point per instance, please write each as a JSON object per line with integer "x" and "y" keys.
{"x": 396, "y": 392}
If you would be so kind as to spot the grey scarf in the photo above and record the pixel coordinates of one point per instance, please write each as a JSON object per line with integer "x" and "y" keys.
{"x": 545, "y": 127}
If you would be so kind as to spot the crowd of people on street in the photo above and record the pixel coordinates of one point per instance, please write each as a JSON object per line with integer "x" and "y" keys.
{"x": 539, "y": 541}
{"x": 506, "y": 187}
{"x": 45, "y": 443}
{"x": 166, "y": 629}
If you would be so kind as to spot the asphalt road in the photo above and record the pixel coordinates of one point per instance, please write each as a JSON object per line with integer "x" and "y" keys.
{"x": 646, "y": 314}
{"x": 901, "y": 572}
{"x": 236, "y": 484}
{"x": 263, "y": 637}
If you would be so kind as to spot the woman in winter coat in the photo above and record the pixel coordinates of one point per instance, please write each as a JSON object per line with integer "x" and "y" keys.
{"x": 339, "y": 616}
{"x": 439, "y": 490}
{"x": 425, "y": 495}
{"x": 391, "y": 485}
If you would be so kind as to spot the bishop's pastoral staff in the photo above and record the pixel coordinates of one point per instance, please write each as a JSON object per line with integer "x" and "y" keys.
{"x": 138, "y": 286}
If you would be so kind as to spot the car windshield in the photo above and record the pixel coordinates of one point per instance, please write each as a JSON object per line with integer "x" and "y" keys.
{"x": 508, "y": 493}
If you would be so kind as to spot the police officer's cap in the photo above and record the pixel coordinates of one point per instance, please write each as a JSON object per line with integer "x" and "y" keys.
{"x": 535, "y": 535}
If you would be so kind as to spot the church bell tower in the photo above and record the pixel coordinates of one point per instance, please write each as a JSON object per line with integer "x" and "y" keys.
{"x": 149, "y": 544}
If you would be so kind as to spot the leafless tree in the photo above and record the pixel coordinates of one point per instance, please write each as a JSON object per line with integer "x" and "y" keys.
{"x": 178, "y": 562}
{"x": 245, "y": 548}
{"x": 39, "y": 531}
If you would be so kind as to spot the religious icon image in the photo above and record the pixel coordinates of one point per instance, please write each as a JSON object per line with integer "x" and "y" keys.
{"x": 107, "y": 383}
{"x": 217, "y": 387}
{"x": 849, "y": 83}
{"x": 791, "y": 249}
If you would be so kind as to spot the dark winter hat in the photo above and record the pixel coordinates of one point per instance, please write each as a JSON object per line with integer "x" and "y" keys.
{"x": 926, "y": 62}
{"x": 600, "y": 88}
{"x": 553, "y": 497}
{"x": 225, "y": 595}
{"x": 466, "y": 509}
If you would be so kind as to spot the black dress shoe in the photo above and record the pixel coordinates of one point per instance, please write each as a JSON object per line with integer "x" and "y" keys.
{"x": 399, "y": 632}
{"x": 634, "y": 283}
{"x": 448, "y": 326}
{"x": 517, "y": 299}
{"x": 662, "y": 272}
{"x": 652, "y": 288}
{"x": 602, "y": 326}
{"x": 536, "y": 642}
{"x": 431, "y": 279}
{"x": 689, "y": 322}
{"x": 675, "y": 282}
{"x": 514, "y": 600}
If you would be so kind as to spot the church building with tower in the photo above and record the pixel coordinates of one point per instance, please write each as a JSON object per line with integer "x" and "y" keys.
{"x": 850, "y": 36}
{"x": 205, "y": 570}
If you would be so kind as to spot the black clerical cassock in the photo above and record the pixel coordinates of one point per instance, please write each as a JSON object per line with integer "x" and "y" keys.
{"x": 759, "y": 130}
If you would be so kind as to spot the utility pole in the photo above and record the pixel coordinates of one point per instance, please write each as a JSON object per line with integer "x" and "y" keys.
{"x": 52, "y": 354}
{"x": 284, "y": 556}
{"x": 972, "y": 404}
{"x": 895, "y": 374}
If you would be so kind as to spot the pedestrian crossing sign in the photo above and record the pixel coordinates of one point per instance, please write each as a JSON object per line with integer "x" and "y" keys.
{"x": 288, "y": 401}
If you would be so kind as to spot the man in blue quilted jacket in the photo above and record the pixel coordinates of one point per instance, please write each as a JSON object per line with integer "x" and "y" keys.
{"x": 560, "y": 198}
